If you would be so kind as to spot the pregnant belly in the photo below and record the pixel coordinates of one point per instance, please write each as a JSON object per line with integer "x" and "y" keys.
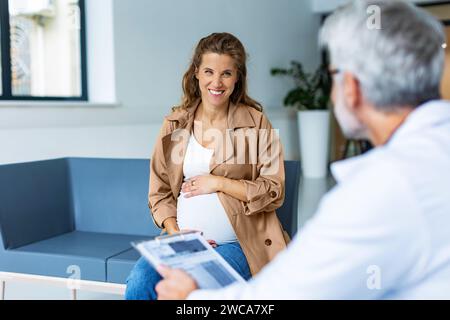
{"x": 206, "y": 214}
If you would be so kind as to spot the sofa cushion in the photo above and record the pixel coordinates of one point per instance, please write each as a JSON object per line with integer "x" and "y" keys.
{"x": 87, "y": 251}
{"x": 288, "y": 211}
{"x": 111, "y": 196}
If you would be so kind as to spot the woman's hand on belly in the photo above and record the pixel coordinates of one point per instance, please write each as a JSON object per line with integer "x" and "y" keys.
{"x": 200, "y": 185}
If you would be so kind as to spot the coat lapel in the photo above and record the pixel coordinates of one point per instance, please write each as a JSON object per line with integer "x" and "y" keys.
{"x": 238, "y": 117}
{"x": 175, "y": 145}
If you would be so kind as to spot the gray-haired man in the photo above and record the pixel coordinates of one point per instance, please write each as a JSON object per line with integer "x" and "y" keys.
{"x": 383, "y": 231}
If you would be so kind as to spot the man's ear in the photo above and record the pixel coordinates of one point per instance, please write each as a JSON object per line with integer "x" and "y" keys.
{"x": 352, "y": 91}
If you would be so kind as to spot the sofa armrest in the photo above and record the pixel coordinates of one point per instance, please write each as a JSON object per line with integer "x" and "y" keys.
{"x": 34, "y": 202}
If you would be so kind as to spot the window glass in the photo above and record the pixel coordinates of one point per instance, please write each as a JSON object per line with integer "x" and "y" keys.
{"x": 45, "y": 48}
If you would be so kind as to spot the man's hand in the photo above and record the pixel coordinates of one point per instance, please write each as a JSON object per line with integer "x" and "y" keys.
{"x": 176, "y": 284}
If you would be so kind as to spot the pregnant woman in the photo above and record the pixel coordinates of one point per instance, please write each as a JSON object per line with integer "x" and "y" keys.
{"x": 217, "y": 167}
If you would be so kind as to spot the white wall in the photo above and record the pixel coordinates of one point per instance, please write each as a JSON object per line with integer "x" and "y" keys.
{"x": 125, "y": 141}
{"x": 153, "y": 41}
{"x": 152, "y": 57}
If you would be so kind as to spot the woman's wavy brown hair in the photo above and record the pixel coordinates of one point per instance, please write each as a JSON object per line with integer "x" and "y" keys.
{"x": 220, "y": 43}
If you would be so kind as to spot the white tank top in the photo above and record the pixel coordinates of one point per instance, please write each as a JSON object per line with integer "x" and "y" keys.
{"x": 204, "y": 212}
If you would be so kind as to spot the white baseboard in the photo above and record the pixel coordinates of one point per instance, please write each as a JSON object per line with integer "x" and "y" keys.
{"x": 71, "y": 285}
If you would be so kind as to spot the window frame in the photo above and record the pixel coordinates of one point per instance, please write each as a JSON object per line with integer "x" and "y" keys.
{"x": 6, "y": 77}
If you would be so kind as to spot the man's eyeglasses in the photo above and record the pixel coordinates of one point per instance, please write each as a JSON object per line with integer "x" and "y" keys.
{"x": 334, "y": 71}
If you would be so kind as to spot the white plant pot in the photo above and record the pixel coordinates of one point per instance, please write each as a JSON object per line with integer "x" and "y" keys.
{"x": 314, "y": 137}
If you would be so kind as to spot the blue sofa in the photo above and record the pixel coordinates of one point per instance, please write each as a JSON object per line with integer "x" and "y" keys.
{"x": 84, "y": 212}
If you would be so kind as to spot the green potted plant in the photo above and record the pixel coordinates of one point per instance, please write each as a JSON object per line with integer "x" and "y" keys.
{"x": 311, "y": 97}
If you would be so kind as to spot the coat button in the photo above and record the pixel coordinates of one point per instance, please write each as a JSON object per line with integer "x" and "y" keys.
{"x": 268, "y": 242}
{"x": 273, "y": 194}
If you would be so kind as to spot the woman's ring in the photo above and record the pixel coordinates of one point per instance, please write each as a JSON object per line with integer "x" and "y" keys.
{"x": 192, "y": 183}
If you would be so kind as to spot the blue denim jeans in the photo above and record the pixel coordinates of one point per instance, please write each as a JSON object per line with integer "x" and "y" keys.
{"x": 143, "y": 278}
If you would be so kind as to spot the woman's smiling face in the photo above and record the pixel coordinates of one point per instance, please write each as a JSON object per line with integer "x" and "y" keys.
{"x": 217, "y": 77}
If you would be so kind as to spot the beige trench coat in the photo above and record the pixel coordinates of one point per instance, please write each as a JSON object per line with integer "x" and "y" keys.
{"x": 255, "y": 222}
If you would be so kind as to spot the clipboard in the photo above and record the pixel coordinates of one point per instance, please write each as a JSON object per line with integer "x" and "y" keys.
{"x": 190, "y": 252}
